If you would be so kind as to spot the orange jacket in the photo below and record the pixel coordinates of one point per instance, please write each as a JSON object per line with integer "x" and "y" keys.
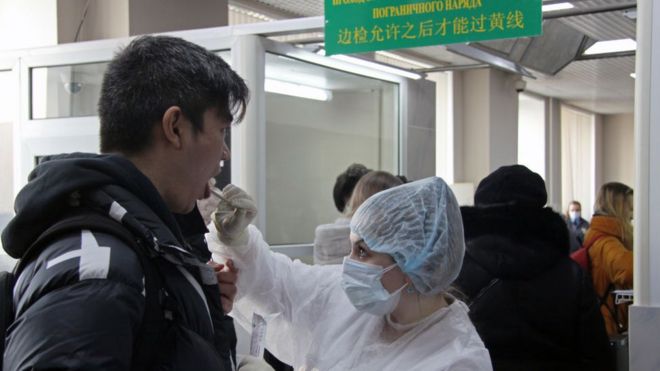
{"x": 611, "y": 263}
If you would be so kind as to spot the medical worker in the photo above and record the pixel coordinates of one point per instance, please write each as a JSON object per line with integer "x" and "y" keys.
{"x": 385, "y": 308}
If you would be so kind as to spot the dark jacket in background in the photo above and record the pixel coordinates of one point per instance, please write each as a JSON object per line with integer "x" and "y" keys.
{"x": 80, "y": 303}
{"x": 534, "y": 308}
{"x": 532, "y": 305}
{"x": 576, "y": 232}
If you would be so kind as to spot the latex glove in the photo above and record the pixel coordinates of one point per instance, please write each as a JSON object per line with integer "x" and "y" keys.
{"x": 250, "y": 363}
{"x": 234, "y": 213}
{"x": 227, "y": 275}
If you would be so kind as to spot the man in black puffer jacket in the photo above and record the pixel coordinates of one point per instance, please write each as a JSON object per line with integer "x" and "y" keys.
{"x": 534, "y": 308}
{"x": 80, "y": 302}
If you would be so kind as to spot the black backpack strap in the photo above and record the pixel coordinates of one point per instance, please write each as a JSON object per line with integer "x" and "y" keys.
{"x": 7, "y": 280}
{"x": 158, "y": 313}
{"x": 158, "y": 308}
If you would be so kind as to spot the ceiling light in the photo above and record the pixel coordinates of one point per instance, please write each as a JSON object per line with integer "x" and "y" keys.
{"x": 296, "y": 90}
{"x": 611, "y": 46}
{"x": 633, "y": 75}
{"x": 555, "y": 7}
{"x": 378, "y": 66}
{"x": 403, "y": 59}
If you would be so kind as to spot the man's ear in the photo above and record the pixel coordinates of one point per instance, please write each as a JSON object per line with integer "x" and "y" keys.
{"x": 172, "y": 126}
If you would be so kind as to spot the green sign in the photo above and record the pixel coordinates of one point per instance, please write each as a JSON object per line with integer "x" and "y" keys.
{"x": 353, "y": 26}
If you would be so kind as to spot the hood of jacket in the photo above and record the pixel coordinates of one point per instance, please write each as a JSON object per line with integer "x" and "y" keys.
{"x": 54, "y": 185}
{"x": 514, "y": 242}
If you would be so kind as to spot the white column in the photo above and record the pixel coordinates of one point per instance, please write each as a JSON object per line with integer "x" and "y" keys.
{"x": 645, "y": 313}
{"x": 489, "y": 119}
{"x": 418, "y": 144}
{"x": 248, "y": 152}
{"x": 503, "y": 119}
{"x": 553, "y": 153}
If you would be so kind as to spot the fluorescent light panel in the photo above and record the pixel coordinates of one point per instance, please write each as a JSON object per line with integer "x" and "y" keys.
{"x": 403, "y": 59}
{"x": 296, "y": 90}
{"x": 611, "y": 46}
{"x": 555, "y": 7}
{"x": 377, "y": 66}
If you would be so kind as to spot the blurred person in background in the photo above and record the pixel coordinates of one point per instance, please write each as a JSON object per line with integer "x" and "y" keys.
{"x": 533, "y": 306}
{"x": 576, "y": 224}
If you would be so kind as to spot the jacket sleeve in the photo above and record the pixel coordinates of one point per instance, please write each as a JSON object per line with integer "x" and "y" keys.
{"x": 618, "y": 263}
{"x": 79, "y": 306}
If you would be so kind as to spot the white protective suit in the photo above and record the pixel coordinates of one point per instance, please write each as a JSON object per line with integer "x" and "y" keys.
{"x": 313, "y": 326}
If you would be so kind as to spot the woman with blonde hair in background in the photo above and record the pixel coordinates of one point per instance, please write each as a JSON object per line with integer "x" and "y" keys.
{"x": 611, "y": 239}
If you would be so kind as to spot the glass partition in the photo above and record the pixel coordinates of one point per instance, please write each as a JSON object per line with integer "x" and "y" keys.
{"x": 65, "y": 91}
{"x": 318, "y": 122}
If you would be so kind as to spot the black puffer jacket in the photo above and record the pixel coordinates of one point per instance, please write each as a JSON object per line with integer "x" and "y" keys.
{"x": 80, "y": 303}
{"x": 532, "y": 305}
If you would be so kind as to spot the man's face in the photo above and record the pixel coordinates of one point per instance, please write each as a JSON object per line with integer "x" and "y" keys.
{"x": 203, "y": 156}
{"x": 574, "y": 208}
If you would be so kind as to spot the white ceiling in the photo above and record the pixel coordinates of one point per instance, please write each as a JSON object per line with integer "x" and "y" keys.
{"x": 598, "y": 85}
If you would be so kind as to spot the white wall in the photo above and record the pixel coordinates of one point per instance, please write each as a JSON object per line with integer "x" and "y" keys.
{"x": 27, "y": 23}
{"x": 7, "y": 117}
{"x": 618, "y": 143}
{"x": 6, "y": 163}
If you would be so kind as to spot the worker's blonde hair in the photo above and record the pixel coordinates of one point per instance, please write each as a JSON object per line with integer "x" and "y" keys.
{"x": 614, "y": 200}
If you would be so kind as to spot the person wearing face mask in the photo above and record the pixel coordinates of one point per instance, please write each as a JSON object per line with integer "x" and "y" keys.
{"x": 385, "y": 308}
{"x": 576, "y": 224}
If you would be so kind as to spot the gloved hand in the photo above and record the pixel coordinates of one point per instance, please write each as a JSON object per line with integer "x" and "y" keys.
{"x": 234, "y": 213}
{"x": 250, "y": 363}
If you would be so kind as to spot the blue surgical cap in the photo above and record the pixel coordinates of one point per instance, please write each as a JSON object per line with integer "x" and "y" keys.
{"x": 419, "y": 224}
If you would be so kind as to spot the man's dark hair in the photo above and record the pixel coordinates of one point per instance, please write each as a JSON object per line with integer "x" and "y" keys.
{"x": 345, "y": 184}
{"x": 154, "y": 73}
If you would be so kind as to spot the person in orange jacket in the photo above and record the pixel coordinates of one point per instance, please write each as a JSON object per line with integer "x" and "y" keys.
{"x": 611, "y": 253}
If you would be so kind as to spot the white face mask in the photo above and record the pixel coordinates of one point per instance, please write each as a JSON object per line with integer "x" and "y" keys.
{"x": 361, "y": 283}
{"x": 574, "y": 215}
